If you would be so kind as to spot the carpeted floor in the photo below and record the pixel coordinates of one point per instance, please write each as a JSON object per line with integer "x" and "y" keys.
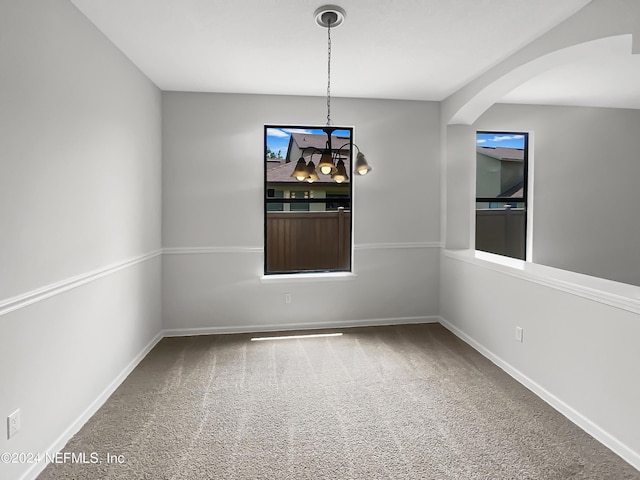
{"x": 397, "y": 402}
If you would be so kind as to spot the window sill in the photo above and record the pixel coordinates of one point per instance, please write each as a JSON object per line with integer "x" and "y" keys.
{"x": 309, "y": 277}
{"x": 500, "y": 259}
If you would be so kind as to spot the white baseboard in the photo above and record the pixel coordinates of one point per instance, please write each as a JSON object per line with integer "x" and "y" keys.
{"x": 37, "y": 468}
{"x": 576, "y": 417}
{"x": 587, "y": 425}
{"x": 183, "y": 332}
{"x": 75, "y": 427}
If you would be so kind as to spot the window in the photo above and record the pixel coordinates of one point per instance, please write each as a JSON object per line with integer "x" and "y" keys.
{"x": 501, "y": 192}
{"x": 307, "y": 219}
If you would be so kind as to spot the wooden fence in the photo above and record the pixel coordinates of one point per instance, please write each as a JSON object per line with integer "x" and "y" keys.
{"x": 308, "y": 241}
{"x": 501, "y": 231}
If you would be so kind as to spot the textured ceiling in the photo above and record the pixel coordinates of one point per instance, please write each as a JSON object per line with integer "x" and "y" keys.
{"x": 604, "y": 75}
{"x": 401, "y": 49}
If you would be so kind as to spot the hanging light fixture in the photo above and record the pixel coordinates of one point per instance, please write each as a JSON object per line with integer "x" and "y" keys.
{"x": 300, "y": 172}
{"x": 340, "y": 174}
{"x": 331, "y": 163}
{"x": 312, "y": 175}
{"x": 362, "y": 167}
{"x": 326, "y": 164}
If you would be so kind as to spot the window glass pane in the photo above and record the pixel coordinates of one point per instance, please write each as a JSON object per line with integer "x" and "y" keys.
{"x": 499, "y": 205}
{"x": 274, "y": 206}
{"x": 500, "y": 160}
{"x": 501, "y": 193}
{"x": 307, "y": 223}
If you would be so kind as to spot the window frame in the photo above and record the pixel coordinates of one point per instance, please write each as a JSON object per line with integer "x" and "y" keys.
{"x": 309, "y": 201}
{"x": 506, "y": 200}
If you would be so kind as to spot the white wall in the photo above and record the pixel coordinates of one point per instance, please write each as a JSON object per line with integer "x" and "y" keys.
{"x": 585, "y": 195}
{"x": 80, "y": 219}
{"x": 80, "y": 212}
{"x": 213, "y": 214}
{"x": 580, "y": 332}
{"x": 579, "y": 349}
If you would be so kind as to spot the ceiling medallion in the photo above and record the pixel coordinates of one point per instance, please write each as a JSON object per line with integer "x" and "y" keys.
{"x": 329, "y": 15}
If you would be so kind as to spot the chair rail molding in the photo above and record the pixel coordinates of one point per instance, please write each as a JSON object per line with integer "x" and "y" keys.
{"x": 14, "y": 303}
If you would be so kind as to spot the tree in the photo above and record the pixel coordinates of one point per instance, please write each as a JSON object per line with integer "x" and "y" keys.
{"x": 272, "y": 154}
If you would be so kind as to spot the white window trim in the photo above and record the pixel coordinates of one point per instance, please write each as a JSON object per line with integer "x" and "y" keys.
{"x": 530, "y": 182}
{"x": 308, "y": 277}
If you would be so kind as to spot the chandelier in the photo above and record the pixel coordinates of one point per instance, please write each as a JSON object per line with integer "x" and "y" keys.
{"x": 330, "y": 163}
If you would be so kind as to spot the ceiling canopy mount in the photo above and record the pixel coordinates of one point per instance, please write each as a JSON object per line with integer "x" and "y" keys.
{"x": 329, "y": 16}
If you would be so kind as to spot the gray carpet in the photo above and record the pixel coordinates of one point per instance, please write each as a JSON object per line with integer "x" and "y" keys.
{"x": 398, "y": 402}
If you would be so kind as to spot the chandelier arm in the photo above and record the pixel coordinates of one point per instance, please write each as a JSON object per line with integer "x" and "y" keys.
{"x": 348, "y": 143}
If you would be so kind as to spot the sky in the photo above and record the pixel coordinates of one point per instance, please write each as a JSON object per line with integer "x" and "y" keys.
{"x": 278, "y": 138}
{"x": 500, "y": 139}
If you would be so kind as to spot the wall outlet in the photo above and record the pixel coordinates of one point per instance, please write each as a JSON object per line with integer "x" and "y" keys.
{"x": 287, "y": 298}
{"x": 13, "y": 424}
{"x": 519, "y": 333}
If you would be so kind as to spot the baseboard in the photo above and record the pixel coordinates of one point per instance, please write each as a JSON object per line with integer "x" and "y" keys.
{"x": 587, "y": 425}
{"x": 75, "y": 427}
{"x": 183, "y": 332}
{"x": 37, "y": 468}
{"x": 576, "y": 417}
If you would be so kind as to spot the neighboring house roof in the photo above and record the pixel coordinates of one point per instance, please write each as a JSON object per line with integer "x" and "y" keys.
{"x": 282, "y": 173}
{"x": 502, "y": 153}
{"x": 517, "y": 191}
{"x": 280, "y": 170}
{"x": 315, "y": 140}
{"x": 274, "y": 162}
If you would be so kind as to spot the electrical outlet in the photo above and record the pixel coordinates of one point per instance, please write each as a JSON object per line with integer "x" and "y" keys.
{"x": 287, "y": 298}
{"x": 519, "y": 332}
{"x": 13, "y": 424}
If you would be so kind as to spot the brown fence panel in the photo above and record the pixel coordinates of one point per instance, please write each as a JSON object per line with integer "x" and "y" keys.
{"x": 301, "y": 241}
{"x": 501, "y": 231}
